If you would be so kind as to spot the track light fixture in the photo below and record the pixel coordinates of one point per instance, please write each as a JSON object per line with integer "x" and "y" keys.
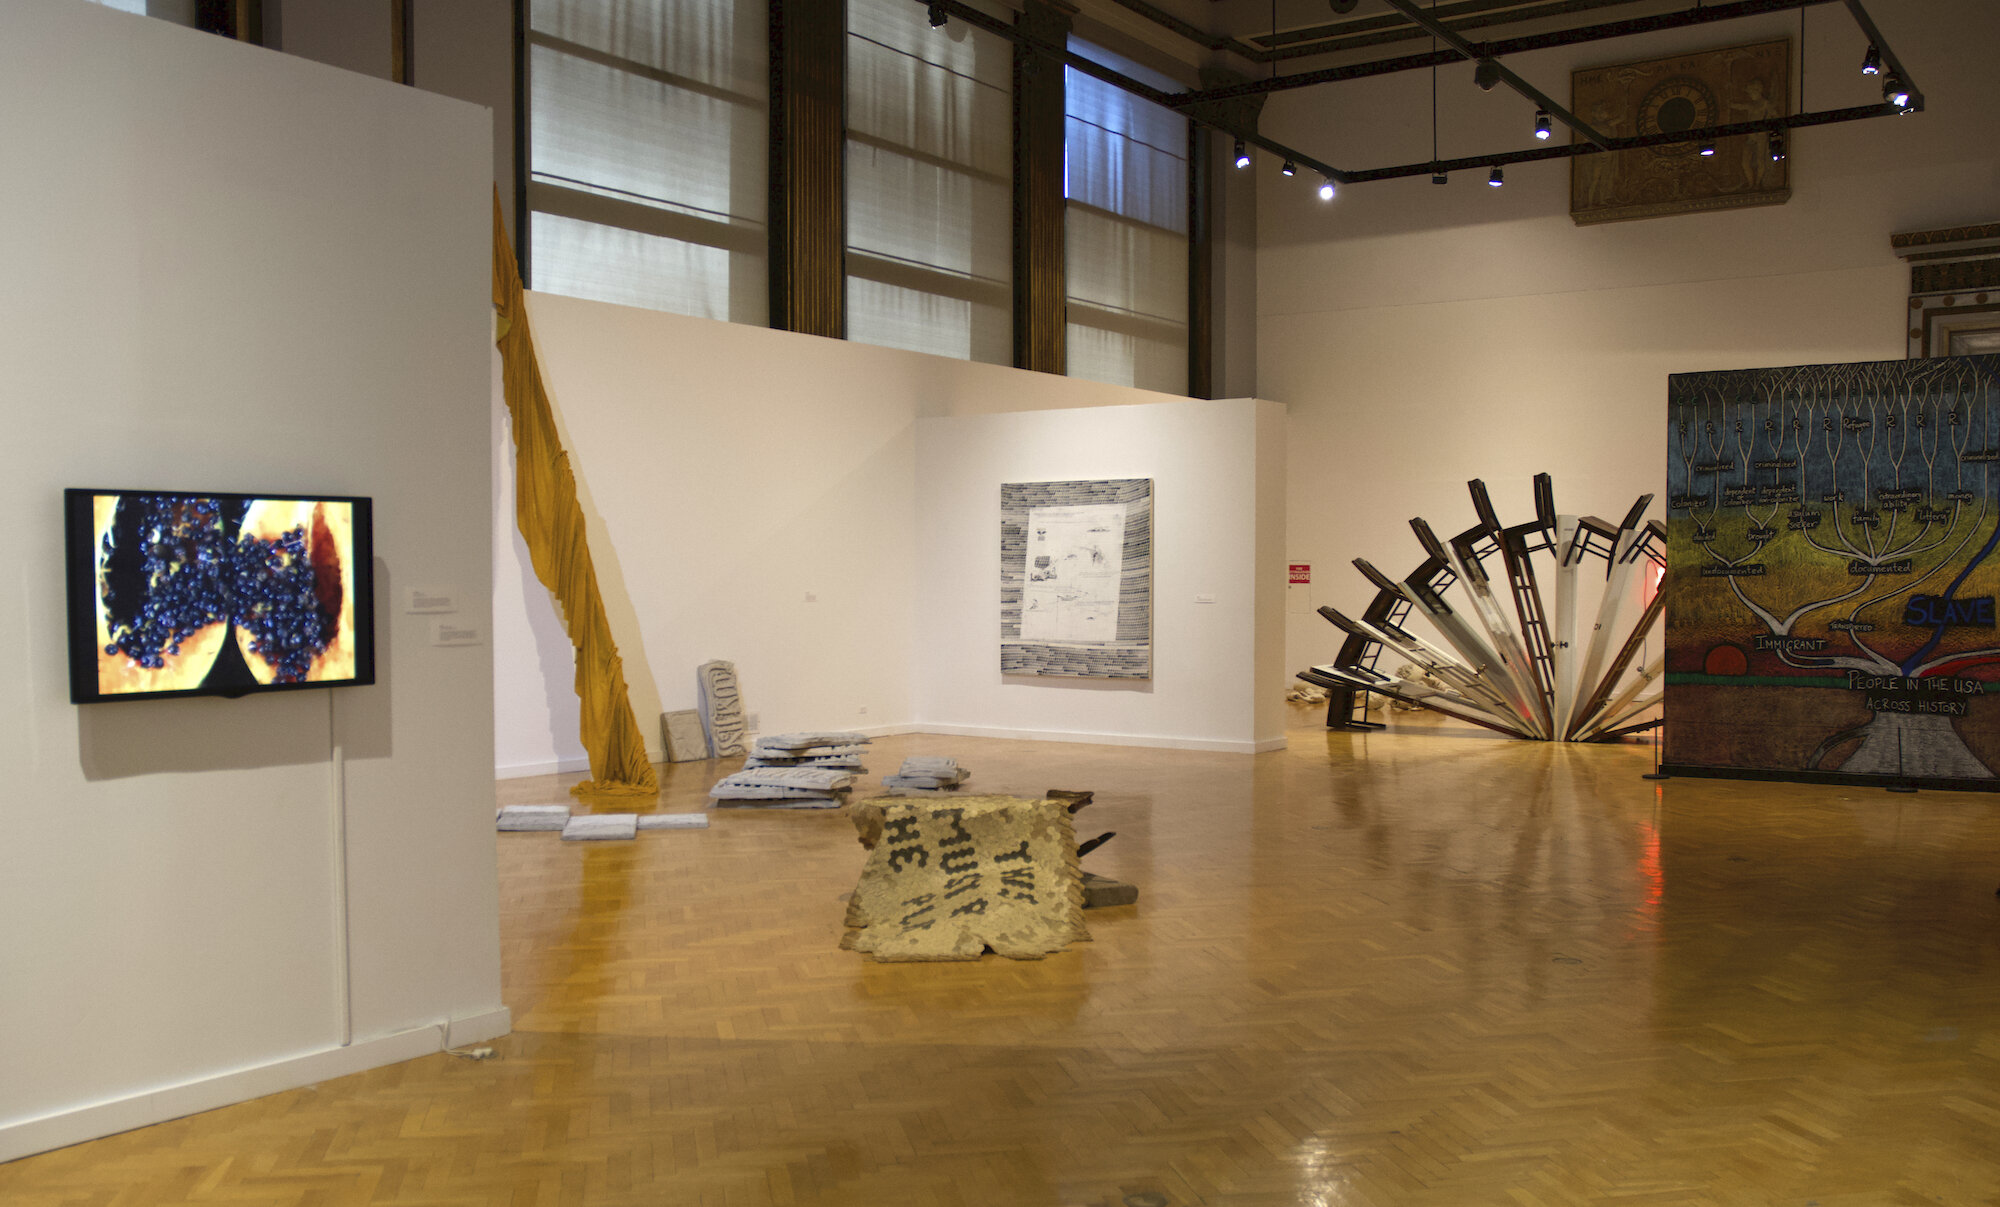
{"x": 1899, "y": 97}
{"x": 938, "y": 16}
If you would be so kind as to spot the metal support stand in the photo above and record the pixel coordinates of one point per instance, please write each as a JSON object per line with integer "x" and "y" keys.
{"x": 1344, "y": 711}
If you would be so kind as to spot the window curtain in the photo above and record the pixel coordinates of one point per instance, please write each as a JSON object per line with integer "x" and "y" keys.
{"x": 1126, "y": 232}
{"x": 929, "y": 184}
{"x": 648, "y": 153}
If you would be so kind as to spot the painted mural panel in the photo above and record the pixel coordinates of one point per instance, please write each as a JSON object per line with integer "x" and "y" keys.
{"x": 1668, "y": 96}
{"x": 1832, "y": 571}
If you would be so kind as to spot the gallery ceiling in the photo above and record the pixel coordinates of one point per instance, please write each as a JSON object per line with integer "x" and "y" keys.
{"x": 1346, "y": 31}
{"x": 1364, "y": 23}
{"x": 1274, "y": 46}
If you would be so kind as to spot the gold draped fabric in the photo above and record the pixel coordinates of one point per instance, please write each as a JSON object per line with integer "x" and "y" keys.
{"x": 551, "y": 522}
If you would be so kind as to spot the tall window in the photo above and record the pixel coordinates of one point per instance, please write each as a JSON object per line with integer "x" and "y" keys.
{"x": 647, "y": 153}
{"x": 929, "y": 184}
{"x": 1126, "y": 232}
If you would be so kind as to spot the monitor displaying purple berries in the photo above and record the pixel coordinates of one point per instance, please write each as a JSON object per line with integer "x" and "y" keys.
{"x": 213, "y": 594}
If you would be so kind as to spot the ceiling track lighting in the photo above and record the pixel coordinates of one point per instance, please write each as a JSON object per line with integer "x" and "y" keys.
{"x": 1326, "y": 189}
{"x": 938, "y": 16}
{"x": 1900, "y": 97}
{"x": 1871, "y": 63}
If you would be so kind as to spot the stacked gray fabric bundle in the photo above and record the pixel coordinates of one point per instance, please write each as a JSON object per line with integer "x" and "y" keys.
{"x": 783, "y": 788}
{"x": 921, "y": 773}
{"x": 841, "y": 751}
{"x": 514, "y": 818}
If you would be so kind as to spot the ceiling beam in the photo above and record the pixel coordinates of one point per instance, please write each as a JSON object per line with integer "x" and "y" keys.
{"x": 1822, "y": 117}
{"x": 1201, "y": 106}
{"x": 1144, "y": 91}
{"x": 1629, "y": 27}
{"x": 1575, "y": 123}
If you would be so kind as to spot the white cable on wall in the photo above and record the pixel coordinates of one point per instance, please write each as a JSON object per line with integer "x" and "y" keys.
{"x": 343, "y": 966}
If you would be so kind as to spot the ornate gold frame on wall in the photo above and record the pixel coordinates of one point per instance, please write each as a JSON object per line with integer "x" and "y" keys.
{"x": 1681, "y": 92}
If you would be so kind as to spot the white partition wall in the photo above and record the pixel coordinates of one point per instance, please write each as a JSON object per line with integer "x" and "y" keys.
{"x": 232, "y": 270}
{"x": 786, "y": 502}
{"x": 1218, "y": 537}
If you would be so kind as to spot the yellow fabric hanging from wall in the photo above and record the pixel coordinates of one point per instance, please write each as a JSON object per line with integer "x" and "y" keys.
{"x": 551, "y": 521}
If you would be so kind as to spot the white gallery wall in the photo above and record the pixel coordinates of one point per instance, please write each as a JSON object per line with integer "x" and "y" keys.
{"x": 1421, "y": 335}
{"x": 756, "y": 496}
{"x": 1217, "y": 674}
{"x": 233, "y": 270}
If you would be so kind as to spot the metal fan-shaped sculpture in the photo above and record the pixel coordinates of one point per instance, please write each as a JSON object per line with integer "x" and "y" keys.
{"x": 1519, "y": 674}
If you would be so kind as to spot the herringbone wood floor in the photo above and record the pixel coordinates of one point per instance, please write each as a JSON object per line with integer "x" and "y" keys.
{"x": 1430, "y": 967}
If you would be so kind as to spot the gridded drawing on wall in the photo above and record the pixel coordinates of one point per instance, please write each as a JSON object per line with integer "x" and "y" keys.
{"x": 1831, "y": 571}
{"x": 1076, "y": 578}
{"x": 1666, "y": 96}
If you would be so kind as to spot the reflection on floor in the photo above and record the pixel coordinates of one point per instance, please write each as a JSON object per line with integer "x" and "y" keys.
{"x": 1429, "y": 966}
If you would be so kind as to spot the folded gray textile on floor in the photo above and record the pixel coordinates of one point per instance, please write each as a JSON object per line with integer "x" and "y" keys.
{"x": 673, "y": 821}
{"x": 783, "y": 788}
{"x": 780, "y": 743}
{"x": 741, "y": 792}
{"x": 785, "y": 756}
{"x": 848, "y": 762}
{"x": 601, "y": 827}
{"x": 927, "y": 771}
{"x": 815, "y": 779}
{"x": 532, "y": 817}
{"x": 925, "y": 781}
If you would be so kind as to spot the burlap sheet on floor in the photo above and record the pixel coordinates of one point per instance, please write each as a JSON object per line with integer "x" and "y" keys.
{"x": 947, "y": 879}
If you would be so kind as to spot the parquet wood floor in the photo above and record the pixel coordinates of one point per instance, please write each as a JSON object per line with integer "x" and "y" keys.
{"x": 1428, "y": 967}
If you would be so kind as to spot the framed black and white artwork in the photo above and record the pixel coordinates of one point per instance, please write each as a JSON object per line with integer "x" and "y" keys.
{"x": 1076, "y": 578}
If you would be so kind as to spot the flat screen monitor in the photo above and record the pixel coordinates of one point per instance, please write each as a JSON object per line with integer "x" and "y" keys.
{"x": 213, "y": 594}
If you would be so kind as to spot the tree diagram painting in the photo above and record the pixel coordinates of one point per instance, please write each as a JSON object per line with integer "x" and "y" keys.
{"x": 1832, "y": 571}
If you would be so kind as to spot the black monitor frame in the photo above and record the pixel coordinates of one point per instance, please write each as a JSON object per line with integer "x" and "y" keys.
{"x": 80, "y": 569}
